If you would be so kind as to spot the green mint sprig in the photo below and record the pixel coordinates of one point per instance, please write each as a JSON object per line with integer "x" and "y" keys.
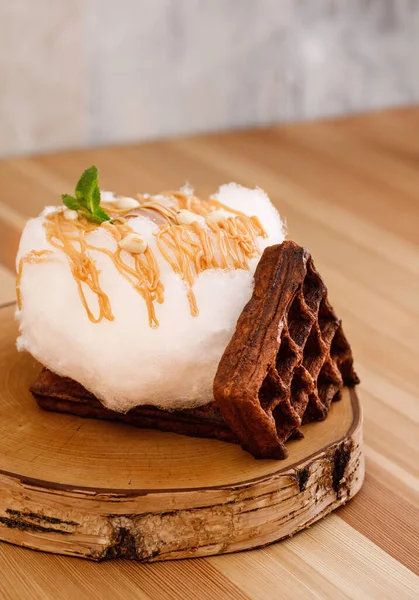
{"x": 87, "y": 197}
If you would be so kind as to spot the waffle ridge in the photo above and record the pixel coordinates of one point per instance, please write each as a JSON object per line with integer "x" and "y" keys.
{"x": 304, "y": 359}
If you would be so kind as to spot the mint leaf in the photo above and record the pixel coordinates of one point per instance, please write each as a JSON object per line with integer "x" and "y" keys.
{"x": 101, "y": 214}
{"x": 87, "y": 189}
{"x": 70, "y": 202}
{"x": 95, "y": 218}
{"x": 96, "y": 197}
{"x": 87, "y": 199}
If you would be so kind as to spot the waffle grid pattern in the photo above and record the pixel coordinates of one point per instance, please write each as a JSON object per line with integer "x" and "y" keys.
{"x": 306, "y": 366}
{"x": 306, "y": 376}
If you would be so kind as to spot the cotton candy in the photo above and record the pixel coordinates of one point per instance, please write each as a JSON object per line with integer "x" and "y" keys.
{"x": 125, "y": 362}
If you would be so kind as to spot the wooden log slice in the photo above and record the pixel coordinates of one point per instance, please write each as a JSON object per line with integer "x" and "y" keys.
{"x": 99, "y": 490}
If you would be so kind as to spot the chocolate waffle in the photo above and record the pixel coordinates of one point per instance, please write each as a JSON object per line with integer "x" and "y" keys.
{"x": 288, "y": 358}
{"x": 61, "y": 394}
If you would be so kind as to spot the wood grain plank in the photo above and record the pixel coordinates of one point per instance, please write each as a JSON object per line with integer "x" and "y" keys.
{"x": 354, "y": 160}
{"x": 390, "y": 394}
{"x": 327, "y": 163}
{"x": 266, "y": 574}
{"x": 119, "y": 579}
{"x": 391, "y": 131}
{"x": 9, "y": 243}
{"x": 331, "y": 560}
{"x": 394, "y": 470}
{"x": 354, "y": 563}
{"x": 385, "y": 518}
{"x": 183, "y": 579}
{"x": 7, "y": 285}
{"x": 22, "y": 192}
{"x": 407, "y": 491}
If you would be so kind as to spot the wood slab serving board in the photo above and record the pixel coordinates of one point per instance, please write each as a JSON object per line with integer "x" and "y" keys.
{"x": 98, "y": 489}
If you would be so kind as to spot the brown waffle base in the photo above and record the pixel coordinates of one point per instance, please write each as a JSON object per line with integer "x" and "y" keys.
{"x": 61, "y": 394}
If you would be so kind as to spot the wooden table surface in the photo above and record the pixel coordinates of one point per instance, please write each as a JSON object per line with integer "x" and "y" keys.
{"x": 350, "y": 192}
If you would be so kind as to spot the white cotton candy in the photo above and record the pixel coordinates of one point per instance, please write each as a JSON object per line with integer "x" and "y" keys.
{"x": 253, "y": 202}
{"x": 106, "y": 196}
{"x": 187, "y": 189}
{"x": 125, "y": 362}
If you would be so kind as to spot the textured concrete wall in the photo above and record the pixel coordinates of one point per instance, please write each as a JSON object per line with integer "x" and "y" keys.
{"x": 79, "y": 72}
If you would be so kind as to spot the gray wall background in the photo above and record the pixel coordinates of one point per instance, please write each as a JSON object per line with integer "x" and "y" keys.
{"x": 89, "y": 72}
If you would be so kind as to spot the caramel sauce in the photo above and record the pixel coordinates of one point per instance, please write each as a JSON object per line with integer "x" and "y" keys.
{"x": 34, "y": 256}
{"x": 189, "y": 249}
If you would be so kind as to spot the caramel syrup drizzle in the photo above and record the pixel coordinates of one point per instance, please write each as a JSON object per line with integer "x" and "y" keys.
{"x": 34, "y": 256}
{"x": 189, "y": 249}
